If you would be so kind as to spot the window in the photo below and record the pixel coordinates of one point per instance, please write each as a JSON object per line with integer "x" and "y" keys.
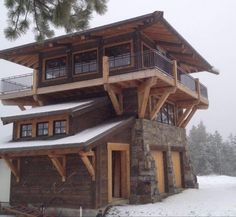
{"x": 42, "y": 129}
{"x": 119, "y": 55}
{"x": 85, "y": 62}
{"x": 59, "y": 127}
{"x": 166, "y": 114}
{"x": 26, "y": 130}
{"x": 55, "y": 68}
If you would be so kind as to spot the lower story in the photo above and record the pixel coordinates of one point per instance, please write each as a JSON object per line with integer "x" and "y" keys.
{"x": 140, "y": 162}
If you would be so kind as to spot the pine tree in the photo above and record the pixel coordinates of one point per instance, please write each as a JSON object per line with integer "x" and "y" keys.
{"x": 72, "y": 15}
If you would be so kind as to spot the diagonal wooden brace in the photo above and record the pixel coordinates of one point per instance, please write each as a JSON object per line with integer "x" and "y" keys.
{"x": 186, "y": 121}
{"x": 161, "y": 101}
{"x": 116, "y": 97}
{"x": 184, "y": 115}
{"x": 90, "y": 166}
{"x": 59, "y": 163}
{"x": 15, "y": 169}
{"x": 143, "y": 95}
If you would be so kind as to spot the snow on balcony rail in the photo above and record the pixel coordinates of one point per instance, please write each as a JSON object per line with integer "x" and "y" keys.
{"x": 16, "y": 83}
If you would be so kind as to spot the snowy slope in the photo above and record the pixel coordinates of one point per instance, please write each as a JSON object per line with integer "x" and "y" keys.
{"x": 216, "y": 196}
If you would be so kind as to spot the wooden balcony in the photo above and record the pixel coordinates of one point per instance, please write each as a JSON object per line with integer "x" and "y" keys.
{"x": 23, "y": 89}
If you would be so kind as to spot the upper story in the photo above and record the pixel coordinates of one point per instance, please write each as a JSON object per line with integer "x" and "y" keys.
{"x": 145, "y": 53}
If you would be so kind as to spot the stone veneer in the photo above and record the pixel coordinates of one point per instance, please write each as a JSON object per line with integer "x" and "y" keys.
{"x": 148, "y": 133}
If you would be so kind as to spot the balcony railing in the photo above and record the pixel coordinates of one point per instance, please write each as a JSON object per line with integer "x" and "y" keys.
{"x": 148, "y": 59}
{"x": 16, "y": 83}
{"x": 155, "y": 59}
{"x": 186, "y": 80}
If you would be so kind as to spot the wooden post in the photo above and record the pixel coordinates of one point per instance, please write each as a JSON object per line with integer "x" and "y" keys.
{"x": 175, "y": 72}
{"x": 143, "y": 95}
{"x": 198, "y": 88}
{"x": 35, "y": 81}
{"x": 105, "y": 69}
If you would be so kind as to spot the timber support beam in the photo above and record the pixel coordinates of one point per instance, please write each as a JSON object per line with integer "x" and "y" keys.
{"x": 15, "y": 169}
{"x": 161, "y": 101}
{"x": 186, "y": 121}
{"x": 116, "y": 96}
{"x": 59, "y": 162}
{"x": 114, "y": 92}
{"x": 37, "y": 100}
{"x": 191, "y": 108}
{"x": 21, "y": 107}
{"x": 143, "y": 95}
{"x": 184, "y": 115}
{"x": 88, "y": 164}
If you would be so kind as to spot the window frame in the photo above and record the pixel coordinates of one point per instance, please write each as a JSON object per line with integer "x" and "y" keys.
{"x": 44, "y": 68}
{"x": 37, "y": 129}
{"x": 171, "y": 117}
{"x": 84, "y": 73}
{"x": 21, "y": 130}
{"x": 54, "y": 127}
{"x": 131, "y": 54}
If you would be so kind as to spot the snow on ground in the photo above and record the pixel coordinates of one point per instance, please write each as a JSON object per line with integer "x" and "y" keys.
{"x": 216, "y": 196}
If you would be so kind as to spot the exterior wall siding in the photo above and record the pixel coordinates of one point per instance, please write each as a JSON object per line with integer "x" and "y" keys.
{"x": 41, "y": 184}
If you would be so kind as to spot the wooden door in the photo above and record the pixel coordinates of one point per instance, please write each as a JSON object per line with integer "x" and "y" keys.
{"x": 160, "y": 167}
{"x": 176, "y": 161}
{"x": 118, "y": 171}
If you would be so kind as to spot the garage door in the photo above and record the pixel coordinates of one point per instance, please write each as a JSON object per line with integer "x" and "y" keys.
{"x": 159, "y": 161}
{"x": 176, "y": 160}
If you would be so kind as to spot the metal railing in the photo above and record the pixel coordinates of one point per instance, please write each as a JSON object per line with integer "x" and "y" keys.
{"x": 16, "y": 83}
{"x": 147, "y": 59}
{"x": 155, "y": 59}
{"x": 186, "y": 80}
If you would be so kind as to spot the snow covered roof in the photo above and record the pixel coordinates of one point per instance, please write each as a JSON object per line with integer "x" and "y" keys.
{"x": 68, "y": 107}
{"x": 80, "y": 140}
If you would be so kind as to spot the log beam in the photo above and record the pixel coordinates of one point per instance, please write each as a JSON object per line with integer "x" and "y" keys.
{"x": 21, "y": 107}
{"x": 161, "y": 101}
{"x": 15, "y": 169}
{"x": 143, "y": 95}
{"x": 90, "y": 166}
{"x": 185, "y": 123}
{"x": 184, "y": 115}
{"x": 37, "y": 100}
{"x": 105, "y": 69}
{"x": 59, "y": 163}
{"x": 116, "y": 97}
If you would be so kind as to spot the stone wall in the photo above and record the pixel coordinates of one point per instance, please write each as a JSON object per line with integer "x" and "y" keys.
{"x": 151, "y": 134}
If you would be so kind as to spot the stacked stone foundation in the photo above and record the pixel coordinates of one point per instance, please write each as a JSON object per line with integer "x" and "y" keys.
{"x": 148, "y": 135}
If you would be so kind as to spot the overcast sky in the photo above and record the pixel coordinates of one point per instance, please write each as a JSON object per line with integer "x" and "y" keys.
{"x": 209, "y": 26}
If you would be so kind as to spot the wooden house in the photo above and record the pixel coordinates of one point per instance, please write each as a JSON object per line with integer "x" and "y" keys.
{"x": 109, "y": 111}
